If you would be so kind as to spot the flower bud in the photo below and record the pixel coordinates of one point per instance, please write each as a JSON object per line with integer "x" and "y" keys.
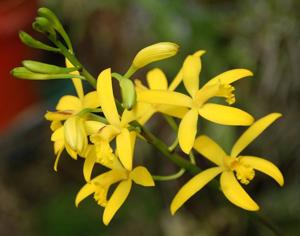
{"x": 33, "y": 43}
{"x": 155, "y": 52}
{"x": 49, "y": 15}
{"x": 24, "y": 73}
{"x": 128, "y": 93}
{"x": 42, "y": 24}
{"x": 75, "y": 134}
{"x": 45, "y": 68}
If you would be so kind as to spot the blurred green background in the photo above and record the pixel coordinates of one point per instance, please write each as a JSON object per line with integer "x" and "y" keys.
{"x": 261, "y": 35}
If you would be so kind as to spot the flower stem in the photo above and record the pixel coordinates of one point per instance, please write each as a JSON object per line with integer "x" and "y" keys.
{"x": 169, "y": 177}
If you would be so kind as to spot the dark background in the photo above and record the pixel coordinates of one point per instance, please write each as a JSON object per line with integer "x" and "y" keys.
{"x": 261, "y": 35}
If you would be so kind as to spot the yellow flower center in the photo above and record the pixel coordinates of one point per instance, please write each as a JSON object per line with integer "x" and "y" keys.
{"x": 215, "y": 90}
{"x": 244, "y": 173}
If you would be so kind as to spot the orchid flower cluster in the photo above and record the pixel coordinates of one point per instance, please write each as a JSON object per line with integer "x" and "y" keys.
{"x": 100, "y": 129}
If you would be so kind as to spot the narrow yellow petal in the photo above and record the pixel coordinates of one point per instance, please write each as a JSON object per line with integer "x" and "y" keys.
{"x": 175, "y": 111}
{"x": 55, "y": 125}
{"x": 229, "y": 76}
{"x": 140, "y": 175}
{"x": 93, "y": 127}
{"x": 91, "y": 100}
{"x": 84, "y": 192}
{"x": 157, "y": 79}
{"x": 176, "y": 81}
{"x": 263, "y": 166}
{"x": 124, "y": 148}
{"x": 89, "y": 163}
{"x": 105, "y": 93}
{"x": 193, "y": 186}
{"x": 234, "y": 192}
{"x": 116, "y": 200}
{"x": 209, "y": 149}
{"x": 225, "y": 115}
{"x": 252, "y": 132}
{"x": 58, "y": 115}
{"x": 69, "y": 103}
{"x": 76, "y": 81}
{"x": 164, "y": 97}
{"x": 191, "y": 71}
{"x": 57, "y": 159}
{"x": 187, "y": 130}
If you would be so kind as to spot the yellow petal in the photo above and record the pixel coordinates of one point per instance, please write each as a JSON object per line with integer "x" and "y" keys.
{"x": 89, "y": 163}
{"x": 55, "y": 125}
{"x": 92, "y": 127}
{"x": 91, "y": 100}
{"x": 140, "y": 175}
{"x": 57, "y": 159}
{"x": 225, "y": 115}
{"x": 69, "y": 103}
{"x": 209, "y": 149}
{"x": 76, "y": 81}
{"x": 175, "y": 111}
{"x": 157, "y": 79}
{"x": 105, "y": 92}
{"x": 58, "y": 116}
{"x": 58, "y": 134}
{"x": 252, "y": 132}
{"x": 191, "y": 71}
{"x": 70, "y": 151}
{"x": 193, "y": 186}
{"x": 164, "y": 97}
{"x": 116, "y": 200}
{"x": 187, "y": 130}
{"x": 229, "y": 76}
{"x": 235, "y": 193}
{"x": 124, "y": 148}
{"x": 84, "y": 192}
{"x": 263, "y": 166}
{"x": 176, "y": 81}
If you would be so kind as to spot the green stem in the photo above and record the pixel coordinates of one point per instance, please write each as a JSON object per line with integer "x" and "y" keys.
{"x": 117, "y": 76}
{"x": 163, "y": 148}
{"x": 130, "y": 72}
{"x": 173, "y": 145}
{"x": 169, "y": 177}
{"x": 71, "y": 57}
{"x": 170, "y": 120}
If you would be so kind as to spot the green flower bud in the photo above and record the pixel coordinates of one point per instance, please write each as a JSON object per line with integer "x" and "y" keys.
{"x": 128, "y": 93}
{"x": 53, "y": 19}
{"x": 42, "y": 24}
{"x": 24, "y": 73}
{"x": 33, "y": 43}
{"x": 44, "y": 68}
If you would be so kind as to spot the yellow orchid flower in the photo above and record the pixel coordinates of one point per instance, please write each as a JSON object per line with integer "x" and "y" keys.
{"x": 156, "y": 80}
{"x": 72, "y": 135}
{"x": 99, "y": 186}
{"x": 117, "y": 127}
{"x": 232, "y": 168}
{"x": 198, "y": 103}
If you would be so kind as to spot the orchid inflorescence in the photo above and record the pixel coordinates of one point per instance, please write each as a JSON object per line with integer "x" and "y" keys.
{"x": 89, "y": 125}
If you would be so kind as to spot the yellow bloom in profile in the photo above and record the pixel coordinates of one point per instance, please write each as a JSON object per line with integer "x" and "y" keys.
{"x": 72, "y": 134}
{"x": 99, "y": 186}
{"x": 232, "y": 168}
{"x": 198, "y": 103}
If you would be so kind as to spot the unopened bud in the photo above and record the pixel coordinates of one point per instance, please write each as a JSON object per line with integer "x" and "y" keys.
{"x": 128, "y": 93}
{"x": 24, "y": 73}
{"x": 155, "y": 52}
{"x": 75, "y": 134}
{"x": 42, "y": 24}
{"x": 31, "y": 42}
{"x": 45, "y": 68}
